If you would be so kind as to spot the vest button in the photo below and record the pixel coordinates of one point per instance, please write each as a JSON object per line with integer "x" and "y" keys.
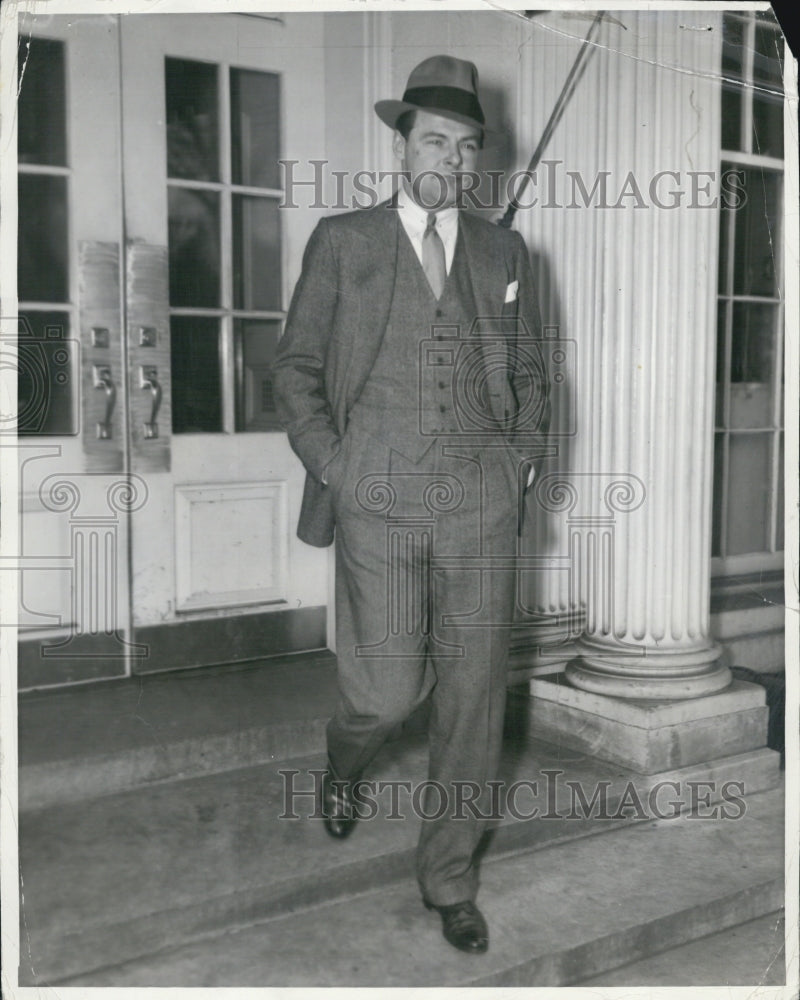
{"x": 442, "y": 409}
{"x": 439, "y": 313}
{"x": 443, "y": 384}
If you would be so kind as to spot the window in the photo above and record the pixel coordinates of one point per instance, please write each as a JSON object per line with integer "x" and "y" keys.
{"x": 225, "y": 282}
{"x": 46, "y": 355}
{"x": 748, "y": 471}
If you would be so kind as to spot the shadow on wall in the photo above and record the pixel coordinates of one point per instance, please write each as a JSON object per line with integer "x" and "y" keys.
{"x": 499, "y": 154}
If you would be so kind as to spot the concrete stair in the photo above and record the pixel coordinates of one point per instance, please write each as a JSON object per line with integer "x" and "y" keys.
{"x": 81, "y": 742}
{"x": 755, "y": 950}
{"x": 381, "y": 938}
{"x": 181, "y": 872}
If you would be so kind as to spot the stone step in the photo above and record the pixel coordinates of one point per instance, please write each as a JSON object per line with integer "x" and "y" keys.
{"x": 98, "y": 739}
{"x": 132, "y": 873}
{"x": 558, "y": 915}
{"x": 754, "y": 952}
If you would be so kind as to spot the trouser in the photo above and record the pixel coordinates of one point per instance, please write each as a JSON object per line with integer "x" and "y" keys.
{"x": 421, "y": 611}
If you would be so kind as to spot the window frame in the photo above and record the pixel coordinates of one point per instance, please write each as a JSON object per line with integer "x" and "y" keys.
{"x": 724, "y": 564}
{"x": 231, "y": 369}
{"x": 68, "y": 306}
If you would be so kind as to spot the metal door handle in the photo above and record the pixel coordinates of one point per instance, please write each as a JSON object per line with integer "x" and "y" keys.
{"x": 101, "y": 377}
{"x": 149, "y": 381}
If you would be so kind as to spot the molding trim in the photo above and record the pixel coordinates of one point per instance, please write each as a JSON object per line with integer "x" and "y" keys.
{"x": 749, "y": 590}
{"x": 89, "y": 658}
{"x": 233, "y": 639}
{"x": 270, "y": 565}
{"x": 174, "y": 646}
{"x": 377, "y": 62}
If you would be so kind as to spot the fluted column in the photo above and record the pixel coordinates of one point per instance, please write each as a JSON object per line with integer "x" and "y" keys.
{"x": 630, "y": 279}
{"x": 656, "y": 362}
{"x": 549, "y": 597}
{"x": 621, "y": 514}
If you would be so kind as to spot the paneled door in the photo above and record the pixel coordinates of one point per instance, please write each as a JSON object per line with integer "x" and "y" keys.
{"x": 159, "y": 494}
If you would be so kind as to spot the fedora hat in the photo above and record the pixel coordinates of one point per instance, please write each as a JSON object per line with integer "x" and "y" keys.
{"x": 441, "y": 85}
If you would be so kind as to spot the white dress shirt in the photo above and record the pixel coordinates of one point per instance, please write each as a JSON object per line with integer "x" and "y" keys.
{"x": 415, "y": 222}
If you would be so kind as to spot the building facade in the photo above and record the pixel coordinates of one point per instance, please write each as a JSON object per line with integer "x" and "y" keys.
{"x": 168, "y": 182}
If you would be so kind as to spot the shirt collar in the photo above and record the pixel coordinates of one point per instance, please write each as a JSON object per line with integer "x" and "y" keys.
{"x": 417, "y": 217}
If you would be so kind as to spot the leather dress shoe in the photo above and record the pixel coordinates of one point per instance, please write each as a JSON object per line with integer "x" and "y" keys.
{"x": 338, "y": 809}
{"x": 463, "y": 926}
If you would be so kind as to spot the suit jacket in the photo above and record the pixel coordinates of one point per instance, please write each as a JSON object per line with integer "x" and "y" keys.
{"x": 335, "y": 326}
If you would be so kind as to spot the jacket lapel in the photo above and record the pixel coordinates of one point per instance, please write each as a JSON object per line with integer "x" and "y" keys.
{"x": 374, "y": 268}
{"x": 489, "y": 278}
{"x": 487, "y": 274}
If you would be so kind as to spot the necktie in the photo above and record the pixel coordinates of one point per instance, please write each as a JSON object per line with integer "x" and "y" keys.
{"x": 433, "y": 260}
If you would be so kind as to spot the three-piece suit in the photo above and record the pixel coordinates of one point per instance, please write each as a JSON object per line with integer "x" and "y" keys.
{"x": 418, "y": 420}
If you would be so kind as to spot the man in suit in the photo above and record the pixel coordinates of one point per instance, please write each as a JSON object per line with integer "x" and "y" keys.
{"x": 411, "y": 388}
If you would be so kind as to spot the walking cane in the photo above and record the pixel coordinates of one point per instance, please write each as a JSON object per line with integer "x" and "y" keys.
{"x": 563, "y": 99}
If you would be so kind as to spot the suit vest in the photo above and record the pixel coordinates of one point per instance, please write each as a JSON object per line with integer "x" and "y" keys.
{"x": 408, "y": 398}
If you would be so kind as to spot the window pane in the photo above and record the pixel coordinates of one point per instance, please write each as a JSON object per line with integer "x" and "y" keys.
{"x": 196, "y": 374}
{"x": 41, "y": 110}
{"x": 46, "y": 371}
{"x": 42, "y": 241}
{"x": 768, "y": 56}
{"x": 194, "y": 248}
{"x": 753, "y": 340}
{"x": 719, "y": 479}
{"x": 256, "y": 341}
{"x": 256, "y": 253}
{"x": 749, "y": 493}
{"x": 757, "y": 235}
{"x": 732, "y": 70}
{"x": 255, "y": 128}
{"x": 733, "y": 29}
{"x": 768, "y": 125}
{"x": 192, "y": 120}
{"x": 732, "y": 117}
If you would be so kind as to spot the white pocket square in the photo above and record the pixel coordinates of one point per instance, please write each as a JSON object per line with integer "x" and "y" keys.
{"x": 511, "y": 292}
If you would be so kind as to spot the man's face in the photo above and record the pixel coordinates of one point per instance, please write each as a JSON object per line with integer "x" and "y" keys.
{"x": 436, "y": 150}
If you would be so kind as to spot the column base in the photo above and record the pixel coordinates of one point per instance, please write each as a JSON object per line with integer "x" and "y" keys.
{"x": 647, "y": 735}
{"x": 546, "y": 646}
{"x": 648, "y": 672}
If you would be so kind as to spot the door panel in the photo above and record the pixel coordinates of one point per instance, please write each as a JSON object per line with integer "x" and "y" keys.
{"x": 73, "y": 564}
{"x": 214, "y": 102}
{"x": 177, "y": 519}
